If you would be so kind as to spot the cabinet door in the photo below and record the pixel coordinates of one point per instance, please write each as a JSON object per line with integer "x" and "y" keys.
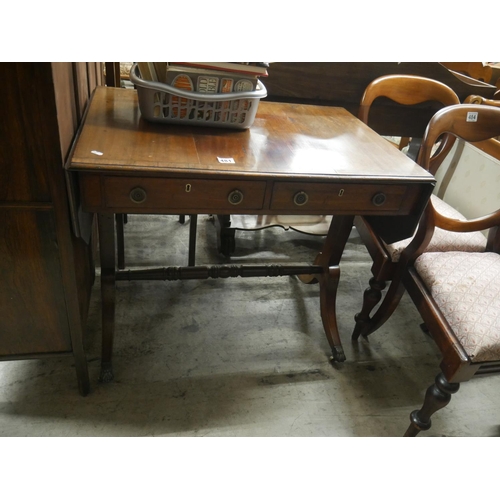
{"x": 32, "y": 305}
{"x": 26, "y": 148}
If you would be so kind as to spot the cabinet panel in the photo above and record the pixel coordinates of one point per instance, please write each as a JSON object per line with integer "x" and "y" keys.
{"x": 23, "y": 171}
{"x": 32, "y": 306}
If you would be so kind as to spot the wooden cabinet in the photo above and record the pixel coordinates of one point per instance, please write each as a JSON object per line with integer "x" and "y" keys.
{"x": 46, "y": 272}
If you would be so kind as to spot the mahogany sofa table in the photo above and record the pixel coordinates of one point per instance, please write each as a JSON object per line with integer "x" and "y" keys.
{"x": 294, "y": 159}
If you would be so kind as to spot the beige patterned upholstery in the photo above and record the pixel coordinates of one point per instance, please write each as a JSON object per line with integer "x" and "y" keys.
{"x": 466, "y": 288}
{"x": 442, "y": 240}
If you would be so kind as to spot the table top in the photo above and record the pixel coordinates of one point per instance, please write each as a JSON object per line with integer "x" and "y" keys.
{"x": 285, "y": 140}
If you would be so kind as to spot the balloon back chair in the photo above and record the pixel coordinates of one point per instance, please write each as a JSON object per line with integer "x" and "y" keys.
{"x": 406, "y": 90}
{"x": 456, "y": 292}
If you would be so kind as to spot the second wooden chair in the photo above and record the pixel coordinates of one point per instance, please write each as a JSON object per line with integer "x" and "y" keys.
{"x": 457, "y": 293}
{"x": 406, "y": 90}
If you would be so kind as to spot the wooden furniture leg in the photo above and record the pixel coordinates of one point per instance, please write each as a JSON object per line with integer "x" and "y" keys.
{"x": 371, "y": 298}
{"x": 225, "y": 235}
{"x": 329, "y": 259}
{"x": 438, "y": 395}
{"x": 120, "y": 240}
{"x": 366, "y": 325}
{"x": 193, "y": 223}
{"x": 106, "y": 225}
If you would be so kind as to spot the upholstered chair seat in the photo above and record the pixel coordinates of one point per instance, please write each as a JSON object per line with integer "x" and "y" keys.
{"x": 466, "y": 288}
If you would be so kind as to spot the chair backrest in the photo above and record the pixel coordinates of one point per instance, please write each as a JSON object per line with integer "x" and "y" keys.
{"x": 410, "y": 90}
{"x": 491, "y": 147}
{"x": 471, "y": 123}
{"x": 407, "y": 90}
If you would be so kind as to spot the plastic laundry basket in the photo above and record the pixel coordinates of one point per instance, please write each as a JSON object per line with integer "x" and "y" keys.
{"x": 163, "y": 103}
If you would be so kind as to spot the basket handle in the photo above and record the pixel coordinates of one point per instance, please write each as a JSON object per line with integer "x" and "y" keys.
{"x": 259, "y": 92}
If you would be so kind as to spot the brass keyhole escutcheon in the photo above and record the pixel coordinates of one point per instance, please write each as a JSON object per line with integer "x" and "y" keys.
{"x": 188, "y": 188}
{"x": 138, "y": 195}
{"x": 300, "y": 198}
{"x": 235, "y": 197}
{"x": 341, "y": 192}
{"x": 379, "y": 199}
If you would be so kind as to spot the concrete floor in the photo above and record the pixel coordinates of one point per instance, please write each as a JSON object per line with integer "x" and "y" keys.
{"x": 239, "y": 357}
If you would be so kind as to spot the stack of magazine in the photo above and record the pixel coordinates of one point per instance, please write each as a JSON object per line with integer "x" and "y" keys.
{"x": 206, "y": 77}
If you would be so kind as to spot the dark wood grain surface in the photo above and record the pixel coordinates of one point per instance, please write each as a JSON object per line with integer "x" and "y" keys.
{"x": 46, "y": 272}
{"x": 32, "y": 304}
{"x": 23, "y": 178}
{"x": 285, "y": 140}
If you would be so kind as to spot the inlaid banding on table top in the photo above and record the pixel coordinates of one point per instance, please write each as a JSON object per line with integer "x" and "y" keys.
{"x": 284, "y": 140}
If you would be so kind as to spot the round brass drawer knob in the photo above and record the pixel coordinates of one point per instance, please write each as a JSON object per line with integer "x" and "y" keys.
{"x": 138, "y": 195}
{"x": 300, "y": 198}
{"x": 235, "y": 197}
{"x": 379, "y": 199}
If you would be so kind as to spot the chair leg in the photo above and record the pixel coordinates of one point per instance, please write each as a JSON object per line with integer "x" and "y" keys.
{"x": 388, "y": 306}
{"x": 371, "y": 298}
{"x": 384, "y": 312}
{"x": 403, "y": 142}
{"x": 120, "y": 240}
{"x": 438, "y": 395}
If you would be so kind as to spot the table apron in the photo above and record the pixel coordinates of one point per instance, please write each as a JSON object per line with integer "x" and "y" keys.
{"x": 173, "y": 195}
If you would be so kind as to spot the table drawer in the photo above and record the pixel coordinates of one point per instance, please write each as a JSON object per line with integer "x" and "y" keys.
{"x": 337, "y": 197}
{"x": 158, "y": 193}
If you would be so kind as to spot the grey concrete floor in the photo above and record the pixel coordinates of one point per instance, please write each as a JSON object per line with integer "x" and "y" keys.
{"x": 239, "y": 357}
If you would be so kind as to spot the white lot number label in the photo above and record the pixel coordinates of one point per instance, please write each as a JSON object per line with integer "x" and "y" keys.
{"x": 225, "y": 160}
{"x": 472, "y": 116}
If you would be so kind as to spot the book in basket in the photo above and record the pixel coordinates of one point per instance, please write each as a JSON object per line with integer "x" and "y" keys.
{"x": 249, "y": 69}
{"x": 208, "y": 81}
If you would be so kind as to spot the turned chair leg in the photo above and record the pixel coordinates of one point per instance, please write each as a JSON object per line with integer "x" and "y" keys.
{"x": 438, "y": 395}
{"x": 371, "y": 298}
